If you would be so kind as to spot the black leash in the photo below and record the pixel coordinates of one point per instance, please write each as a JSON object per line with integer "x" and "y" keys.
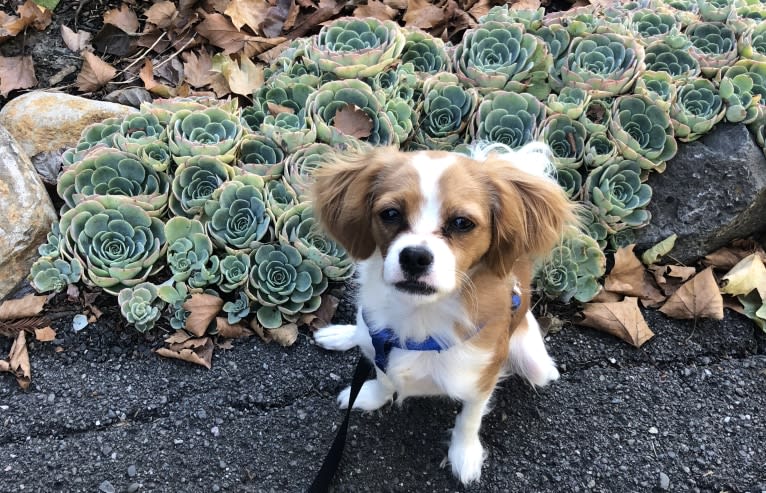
{"x": 331, "y": 462}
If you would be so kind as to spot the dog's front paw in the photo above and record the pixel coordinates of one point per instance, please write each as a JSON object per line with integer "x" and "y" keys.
{"x": 336, "y": 337}
{"x": 373, "y": 395}
{"x": 466, "y": 458}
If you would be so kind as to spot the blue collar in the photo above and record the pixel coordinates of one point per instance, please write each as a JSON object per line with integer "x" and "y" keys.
{"x": 383, "y": 340}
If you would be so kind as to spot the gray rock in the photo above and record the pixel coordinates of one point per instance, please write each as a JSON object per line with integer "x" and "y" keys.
{"x": 664, "y": 481}
{"x": 26, "y": 213}
{"x": 712, "y": 192}
{"x": 106, "y": 487}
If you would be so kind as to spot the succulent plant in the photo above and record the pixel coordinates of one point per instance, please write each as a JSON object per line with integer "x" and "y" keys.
{"x": 52, "y": 245}
{"x": 208, "y": 275}
{"x": 557, "y": 39}
{"x": 117, "y": 243}
{"x": 164, "y": 109}
{"x": 742, "y": 88}
{"x": 401, "y": 116}
{"x": 753, "y": 43}
{"x": 234, "y": 272}
{"x": 599, "y": 149}
{"x": 349, "y": 96}
{"x": 194, "y": 182}
{"x": 352, "y": 48}
{"x": 189, "y": 248}
{"x": 426, "y": 53}
{"x": 497, "y": 55}
{"x": 238, "y": 308}
{"x": 684, "y": 10}
{"x": 592, "y": 226}
{"x": 657, "y": 86}
{"x": 572, "y": 269}
{"x": 54, "y": 274}
{"x": 279, "y": 197}
{"x": 138, "y": 130}
{"x": 570, "y": 101}
{"x": 283, "y": 284}
{"x": 236, "y": 215}
{"x": 300, "y": 165}
{"x": 566, "y": 138}
{"x": 399, "y": 81}
{"x": 508, "y": 118}
{"x": 597, "y": 115}
{"x": 95, "y": 134}
{"x": 297, "y": 227}
{"x": 716, "y": 10}
{"x": 531, "y": 19}
{"x": 251, "y": 117}
{"x": 651, "y": 25}
{"x": 662, "y": 56}
{"x": 207, "y": 132}
{"x": 714, "y": 45}
{"x": 621, "y": 238}
{"x": 157, "y": 155}
{"x": 697, "y": 108}
{"x": 618, "y": 195}
{"x": 260, "y": 155}
{"x": 445, "y": 113}
{"x": 108, "y": 171}
{"x": 643, "y": 132}
{"x": 141, "y": 306}
{"x": 570, "y": 180}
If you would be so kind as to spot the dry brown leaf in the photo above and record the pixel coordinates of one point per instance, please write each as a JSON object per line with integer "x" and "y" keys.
{"x": 203, "y": 309}
{"x": 95, "y": 73}
{"x": 622, "y": 319}
{"x": 18, "y": 361}
{"x": 424, "y": 14}
{"x": 248, "y": 13}
{"x": 670, "y": 277}
{"x": 747, "y": 275}
{"x": 377, "y": 9}
{"x": 697, "y": 298}
{"x": 276, "y": 109}
{"x": 28, "y": 306}
{"x": 629, "y": 277}
{"x": 292, "y": 16}
{"x": 727, "y": 257}
{"x": 178, "y": 337}
{"x": 353, "y": 121}
{"x": 16, "y": 72}
{"x": 242, "y": 77}
{"x": 224, "y": 344}
{"x": 161, "y": 14}
{"x": 197, "y": 68}
{"x": 605, "y": 296}
{"x": 526, "y": 4}
{"x": 197, "y": 351}
{"x": 220, "y": 31}
{"x": 219, "y": 85}
{"x": 34, "y": 15}
{"x": 146, "y": 74}
{"x": 324, "y": 314}
{"x": 75, "y": 40}
{"x": 46, "y": 334}
{"x": 229, "y": 331}
{"x": 122, "y": 17}
{"x": 284, "y": 336}
{"x": 10, "y": 26}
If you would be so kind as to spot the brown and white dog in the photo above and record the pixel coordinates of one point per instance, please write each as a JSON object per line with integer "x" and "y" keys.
{"x": 446, "y": 245}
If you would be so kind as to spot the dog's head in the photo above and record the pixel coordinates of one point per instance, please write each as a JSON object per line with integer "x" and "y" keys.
{"x": 434, "y": 217}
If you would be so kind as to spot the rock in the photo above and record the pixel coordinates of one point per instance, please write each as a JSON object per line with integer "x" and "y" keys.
{"x": 26, "y": 213}
{"x": 106, "y": 487}
{"x": 45, "y": 123}
{"x": 713, "y": 191}
{"x": 664, "y": 481}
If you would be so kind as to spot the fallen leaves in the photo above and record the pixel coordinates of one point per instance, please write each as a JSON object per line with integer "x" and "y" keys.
{"x": 95, "y": 73}
{"x": 191, "y": 349}
{"x": 18, "y": 361}
{"x": 16, "y": 72}
{"x": 353, "y": 121}
{"x": 697, "y": 298}
{"x": 21, "y": 310}
{"x": 203, "y": 309}
{"x": 622, "y": 319}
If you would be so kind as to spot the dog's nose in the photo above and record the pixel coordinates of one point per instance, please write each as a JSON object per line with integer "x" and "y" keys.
{"x": 415, "y": 260}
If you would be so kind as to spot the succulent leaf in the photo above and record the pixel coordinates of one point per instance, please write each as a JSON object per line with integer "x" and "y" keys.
{"x": 507, "y": 118}
{"x": 572, "y": 269}
{"x": 141, "y": 306}
{"x": 697, "y": 108}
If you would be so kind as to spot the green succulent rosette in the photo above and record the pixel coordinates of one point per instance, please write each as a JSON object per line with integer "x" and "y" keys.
{"x": 54, "y": 274}
{"x": 260, "y": 155}
{"x": 300, "y": 166}
{"x": 643, "y": 132}
{"x": 591, "y": 225}
{"x": 52, "y": 246}
{"x": 350, "y": 48}
{"x": 426, "y": 53}
{"x": 348, "y": 96}
{"x": 108, "y": 171}
{"x": 618, "y": 195}
{"x": 572, "y": 269}
{"x": 141, "y": 306}
{"x": 566, "y": 138}
{"x": 194, "y": 182}
{"x": 531, "y": 19}
{"x": 138, "y": 130}
{"x": 236, "y": 215}
{"x": 279, "y": 197}
{"x": 570, "y": 181}
{"x": 164, "y": 109}
{"x": 714, "y": 45}
{"x": 235, "y": 270}
{"x": 251, "y": 117}
{"x": 675, "y": 59}
{"x": 498, "y": 55}
{"x": 205, "y": 132}
{"x": 686, "y": 11}
{"x": 743, "y": 88}
{"x": 208, "y": 275}
{"x": 99, "y": 134}
{"x": 570, "y": 101}
{"x": 657, "y": 86}
{"x": 299, "y": 228}
{"x": 445, "y": 112}
{"x": 117, "y": 242}
{"x": 397, "y": 82}
{"x": 600, "y": 149}
{"x": 157, "y": 155}
{"x": 189, "y": 247}
{"x": 557, "y": 40}
{"x": 697, "y": 108}
{"x": 283, "y": 284}
{"x": 605, "y": 65}
{"x": 716, "y": 10}
{"x": 597, "y": 115}
{"x": 507, "y": 118}
{"x": 402, "y": 118}
{"x": 650, "y": 24}
{"x": 752, "y": 45}
{"x": 237, "y": 309}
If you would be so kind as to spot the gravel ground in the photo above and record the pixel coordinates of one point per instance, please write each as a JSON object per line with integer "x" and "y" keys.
{"x": 684, "y": 413}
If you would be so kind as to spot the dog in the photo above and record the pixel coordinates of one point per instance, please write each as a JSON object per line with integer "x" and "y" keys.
{"x": 446, "y": 245}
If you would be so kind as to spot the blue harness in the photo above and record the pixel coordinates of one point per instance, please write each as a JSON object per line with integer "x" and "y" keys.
{"x": 385, "y": 339}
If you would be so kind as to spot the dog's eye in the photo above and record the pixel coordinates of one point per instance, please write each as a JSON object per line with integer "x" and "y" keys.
{"x": 460, "y": 225}
{"x": 391, "y": 216}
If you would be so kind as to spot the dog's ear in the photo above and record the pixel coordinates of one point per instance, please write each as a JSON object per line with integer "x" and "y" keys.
{"x": 529, "y": 212}
{"x": 342, "y": 197}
